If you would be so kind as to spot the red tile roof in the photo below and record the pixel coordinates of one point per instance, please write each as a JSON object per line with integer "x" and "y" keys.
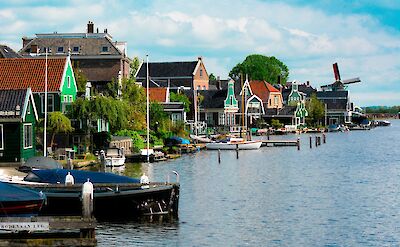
{"x": 158, "y": 94}
{"x": 262, "y": 89}
{"x": 21, "y": 73}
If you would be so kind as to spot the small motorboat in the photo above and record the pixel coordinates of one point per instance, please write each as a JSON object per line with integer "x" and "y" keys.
{"x": 383, "y": 123}
{"x": 233, "y": 145}
{"x": 333, "y": 128}
{"x": 16, "y": 201}
{"x": 112, "y": 157}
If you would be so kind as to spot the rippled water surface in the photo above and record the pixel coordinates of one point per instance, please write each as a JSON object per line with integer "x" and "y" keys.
{"x": 342, "y": 193}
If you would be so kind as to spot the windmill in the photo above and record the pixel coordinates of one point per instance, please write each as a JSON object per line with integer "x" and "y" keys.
{"x": 339, "y": 85}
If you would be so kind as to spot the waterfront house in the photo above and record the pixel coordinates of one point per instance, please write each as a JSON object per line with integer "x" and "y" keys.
{"x": 338, "y": 108}
{"x": 18, "y": 118}
{"x": 175, "y": 75}
{"x": 175, "y": 110}
{"x": 301, "y": 88}
{"x": 94, "y": 53}
{"x": 23, "y": 73}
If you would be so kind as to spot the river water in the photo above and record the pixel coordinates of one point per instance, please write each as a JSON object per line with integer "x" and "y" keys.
{"x": 343, "y": 193}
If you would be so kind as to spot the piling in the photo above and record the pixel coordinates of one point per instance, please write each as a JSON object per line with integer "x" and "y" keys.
{"x": 319, "y": 141}
{"x": 298, "y": 143}
{"x": 316, "y": 141}
{"x": 310, "y": 141}
{"x": 87, "y": 200}
{"x": 268, "y": 135}
{"x": 237, "y": 151}
{"x": 324, "y": 138}
{"x": 219, "y": 156}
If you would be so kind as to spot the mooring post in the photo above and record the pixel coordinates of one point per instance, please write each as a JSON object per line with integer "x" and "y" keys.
{"x": 310, "y": 141}
{"x": 316, "y": 141}
{"x": 237, "y": 151}
{"x": 219, "y": 156}
{"x": 298, "y": 143}
{"x": 324, "y": 138}
{"x": 87, "y": 199}
{"x": 69, "y": 163}
{"x": 268, "y": 134}
{"x": 319, "y": 141}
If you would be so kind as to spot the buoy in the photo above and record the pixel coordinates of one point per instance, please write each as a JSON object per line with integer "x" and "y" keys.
{"x": 144, "y": 180}
{"x": 69, "y": 179}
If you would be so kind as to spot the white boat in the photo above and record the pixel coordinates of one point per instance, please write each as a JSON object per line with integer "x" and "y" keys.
{"x": 113, "y": 157}
{"x": 232, "y": 145}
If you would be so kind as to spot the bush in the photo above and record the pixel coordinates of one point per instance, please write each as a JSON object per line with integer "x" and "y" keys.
{"x": 276, "y": 123}
{"x": 137, "y": 140}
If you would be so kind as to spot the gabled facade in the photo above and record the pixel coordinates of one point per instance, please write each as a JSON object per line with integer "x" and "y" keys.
{"x": 23, "y": 73}
{"x": 298, "y": 99}
{"x": 269, "y": 95}
{"x": 231, "y": 106}
{"x": 338, "y": 106}
{"x": 95, "y": 54}
{"x": 7, "y": 52}
{"x": 175, "y": 75}
{"x": 175, "y": 110}
{"x": 18, "y": 118}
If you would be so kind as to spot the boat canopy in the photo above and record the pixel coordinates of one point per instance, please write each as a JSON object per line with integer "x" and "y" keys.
{"x": 12, "y": 193}
{"x": 56, "y": 176}
{"x": 40, "y": 162}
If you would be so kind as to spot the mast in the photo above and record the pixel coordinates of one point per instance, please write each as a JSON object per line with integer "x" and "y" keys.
{"x": 245, "y": 99}
{"x": 195, "y": 110}
{"x": 147, "y": 107}
{"x": 45, "y": 111}
{"x": 243, "y": 92}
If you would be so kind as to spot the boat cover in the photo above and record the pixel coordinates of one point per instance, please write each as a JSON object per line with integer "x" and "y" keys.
{"x": 41, "y": 162}
{"x": 55, "y": 176}
{"x": 12, "y": 193}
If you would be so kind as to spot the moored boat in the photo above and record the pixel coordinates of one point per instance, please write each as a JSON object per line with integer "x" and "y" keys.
{"x": 112, "y": 157}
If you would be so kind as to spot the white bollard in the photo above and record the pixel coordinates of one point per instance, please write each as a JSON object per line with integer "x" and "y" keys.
{"x": 144, "y": 180}
{"x": 87, "y": 199}
{"x": 69, "y": 179}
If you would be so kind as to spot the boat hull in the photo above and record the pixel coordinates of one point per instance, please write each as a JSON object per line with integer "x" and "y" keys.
{"x": 112, "y": 201}
{"x": 20, "y": 208}
{"x": 248, "y": 145}
{"x": 114, "y": 162}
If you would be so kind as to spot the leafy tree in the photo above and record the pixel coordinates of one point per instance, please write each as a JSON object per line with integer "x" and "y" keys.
{"x": 134, "y": 65}
{"x": 212, "y": 77}
{"x": 260, "y": 67}
{"x": 276, "y": 123}
{"x": 80, "y": 79}
{"x": 316, "y": 110}
{"x": 137, "y": 140}
{"x": 58, "y": 123}
{"x": 180, "y": 97}
{"x": 159, "y": 120}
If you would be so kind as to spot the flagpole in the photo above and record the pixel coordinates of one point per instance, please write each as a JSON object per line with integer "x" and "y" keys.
{"x": 147, "y": 107}
{"x": 45, "y": 112}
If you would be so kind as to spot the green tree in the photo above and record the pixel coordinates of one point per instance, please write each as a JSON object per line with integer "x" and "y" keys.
{"x": 80, "y": 79}
{"x": 180, "y": 97}
{"x": 316, "y": 111}
{"x": 134, "y": 65}
{"x": 58, "y": 123}
{"x": 212, "y": 77}
{"x": 159, "y": 119}
{"x": 260, "y": 67}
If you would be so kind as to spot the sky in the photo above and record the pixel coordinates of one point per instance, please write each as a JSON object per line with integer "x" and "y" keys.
{"x": 362, "y": 36}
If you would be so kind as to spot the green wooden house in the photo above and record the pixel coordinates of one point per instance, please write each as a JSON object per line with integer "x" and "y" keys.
{"x": 23, "y": 73}
{"x": 298, "y": 99}
{"x": 18, "y": 118}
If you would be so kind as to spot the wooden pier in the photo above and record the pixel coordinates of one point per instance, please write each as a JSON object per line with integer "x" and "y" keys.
{"x": 47, "y": 231}
{"x": 279, "y": 143}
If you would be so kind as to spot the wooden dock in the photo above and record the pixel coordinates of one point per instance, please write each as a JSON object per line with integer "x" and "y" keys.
{"x": 47, "y": 231}
{"x": 280, "y": 143}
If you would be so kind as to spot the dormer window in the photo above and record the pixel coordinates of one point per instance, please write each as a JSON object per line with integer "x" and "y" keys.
{"x": 104, "y": 49}
{"x": 60, "y": 49}
{"x": 75, "y": 49}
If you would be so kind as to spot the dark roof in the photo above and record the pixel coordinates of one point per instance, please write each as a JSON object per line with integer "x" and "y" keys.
{"x": 7, "y": 52}
{"x": 308, "y": 90}
{"x": 212, "y": 98}
{"x": 168, "y": 69}
{"x": 332, "y": 94}
{"x": 172, "y": 83}
{"x": 9, "y": 99}
{"x": 87, "y": 46}
{"x": 173, "y": 106}
{"x": 335, "y": 104}
{"x": 283, "y": 112}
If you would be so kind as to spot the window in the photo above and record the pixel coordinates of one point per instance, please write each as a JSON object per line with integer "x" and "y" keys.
{"x": 204, "y": 87}
{"x": 276, "y": 100}
{"x": 50, "y": 103}
{"x": 65, "y": 98}
{"x": 70, "y": 98}
{"x": 27, "y": 135}
{"x": 104, "y": 49}
{"x": 201, "y": 72}
{"x": 1, "y": 138}
{"x": 60, "y": 49}
{"x": 69, "y": 81}
{"x": 75, "y": 49}
{"x": 28, "y": 108}
{"x": 221, "y": 118}
{"x": 198, "y": 87}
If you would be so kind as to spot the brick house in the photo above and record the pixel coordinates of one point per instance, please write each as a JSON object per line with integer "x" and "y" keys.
{"x": 94, "y": 54}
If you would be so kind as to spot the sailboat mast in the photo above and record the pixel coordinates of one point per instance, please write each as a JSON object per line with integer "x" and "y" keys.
{"x": 243, "y": 92}
{"x": 45, "y": 111}
{"x": 147, "y": 108}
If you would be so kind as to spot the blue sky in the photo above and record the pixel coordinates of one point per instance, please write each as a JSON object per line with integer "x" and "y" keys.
{"x": 362, "y": 36}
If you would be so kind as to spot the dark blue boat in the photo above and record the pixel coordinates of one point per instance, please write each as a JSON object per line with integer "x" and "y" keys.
{"x": 115, "y": 197}
{"x": 16, "y": 201}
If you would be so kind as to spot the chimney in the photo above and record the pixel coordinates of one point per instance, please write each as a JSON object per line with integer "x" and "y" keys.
{"x": 25, "y": 41}
{"x": 308, "y": 83}
{"x": 200, "y": 58}
{"x": 90, "y": 27}
{"x": 279, "y": 80}
{"x": 105, "y": 30}
{"x": 97, "y": 30}
{"x": 219, "y": 84}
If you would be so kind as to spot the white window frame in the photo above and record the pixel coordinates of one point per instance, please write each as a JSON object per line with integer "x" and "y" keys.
{"x": 28, "y": 110}
{"x": 30, "y": 145}
{"x": 70, "y": 98}
{"x": 69, "y": 81}
{"x": 2, "y": 137}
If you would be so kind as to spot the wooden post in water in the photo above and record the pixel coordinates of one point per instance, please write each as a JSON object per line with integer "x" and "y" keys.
{"x": 219, "y": 156}
{"x": 298, "y": 143}
{"x": 316, "y": 141}
{"x": 324, "y": 138}
{"x": 268, "y": 134}
{"x": 310, "y": 141}
{"x": 237, "y": 151}
{"x": 87, "y": 199}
